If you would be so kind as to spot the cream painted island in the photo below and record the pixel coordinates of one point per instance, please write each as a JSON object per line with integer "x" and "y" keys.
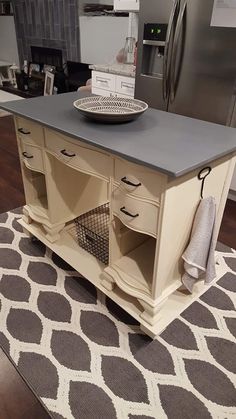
{"x": 147, "y": 170}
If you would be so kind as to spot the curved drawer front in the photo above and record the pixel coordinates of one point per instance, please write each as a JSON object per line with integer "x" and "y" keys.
{"x": 81, "y": 158}
{"x": 32, "y": 157}
{"x": 135, "y": 214}
{"x": 139, "y": 181}
{"x": 29, "y": 131}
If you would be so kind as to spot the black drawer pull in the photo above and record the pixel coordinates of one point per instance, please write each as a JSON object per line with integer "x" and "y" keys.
{"x": 128, "y": 213}
{"x": 130, "y": 183}
{"x": 67, "y": 154}
{"x": 22, "y": 131}
{"x": 27, "y": 155}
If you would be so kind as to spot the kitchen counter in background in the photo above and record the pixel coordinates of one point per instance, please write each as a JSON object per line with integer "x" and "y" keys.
{"x": 116, "y": 80}
{"x": 120, "y": 69}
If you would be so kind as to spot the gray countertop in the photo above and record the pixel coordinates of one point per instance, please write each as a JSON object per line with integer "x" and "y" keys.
{"x": 166, "y": 142}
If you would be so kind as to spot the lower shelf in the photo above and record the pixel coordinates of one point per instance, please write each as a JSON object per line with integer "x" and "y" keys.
{"x": 136, "y": 268}
{"x": 92, "y": 269}
{"x": 40, "y": 206}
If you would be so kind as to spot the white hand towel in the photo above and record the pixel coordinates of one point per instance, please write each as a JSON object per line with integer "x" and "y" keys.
{"x": 199, "y": 258}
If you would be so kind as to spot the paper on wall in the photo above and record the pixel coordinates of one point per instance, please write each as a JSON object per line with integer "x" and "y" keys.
{"x": 224, "y": 13}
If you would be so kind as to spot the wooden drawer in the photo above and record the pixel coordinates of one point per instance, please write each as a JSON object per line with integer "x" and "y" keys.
{"x": 125, "y": 85}
{"x": 135, "y": 214}
{"x": 138, "y": 180}
{"x": 30, "y": 131}
{"x": 77, "y": 156}
{"x": 101, "y": 92}
{"x": 124, "y": 96}
{"x": 103, "y": 81}
{"x": 32, "y": 157}
{"x": 107, "y": 93}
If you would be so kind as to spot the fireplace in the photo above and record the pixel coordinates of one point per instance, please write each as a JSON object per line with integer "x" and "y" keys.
{"x": 49, "y": 56}
{"x": 50, "y": 24}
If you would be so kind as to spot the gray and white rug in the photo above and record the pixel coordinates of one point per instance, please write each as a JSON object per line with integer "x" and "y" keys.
{"x": 86, "y": 358}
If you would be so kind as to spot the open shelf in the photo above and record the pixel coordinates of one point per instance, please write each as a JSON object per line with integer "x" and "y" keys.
{"x": 135, "y": 268}
{"x": 132, "y": 260}
{"x": 72, "y": 192}
{"x": 36, "y": 192}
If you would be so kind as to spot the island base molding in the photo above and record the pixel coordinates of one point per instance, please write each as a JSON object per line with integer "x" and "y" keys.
{"x": 89, "y": 267}
{"x": 52, "y": 230}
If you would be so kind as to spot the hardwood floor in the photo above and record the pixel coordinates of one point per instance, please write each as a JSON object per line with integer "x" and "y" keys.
{"x": 16, "y": 399}
{"x": 227, "y": 233}
{"x": 11, "y": 186}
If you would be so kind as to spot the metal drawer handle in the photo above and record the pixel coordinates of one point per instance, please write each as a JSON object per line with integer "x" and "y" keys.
{"x": 27, "y": 155}
{"x": 124, "y": 179}
{"x": 128, "y": 213}
{"x": 127, "y": 86}
{"x": 102, "y": 81}
{"x": 67, "y": 154}
{"x": 22, "y": 131}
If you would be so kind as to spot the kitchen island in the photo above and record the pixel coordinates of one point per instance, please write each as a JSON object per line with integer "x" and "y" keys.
{"x": 147, "y": 171}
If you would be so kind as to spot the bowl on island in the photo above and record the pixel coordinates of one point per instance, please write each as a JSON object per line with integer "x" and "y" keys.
{"x": 110, "y": 109}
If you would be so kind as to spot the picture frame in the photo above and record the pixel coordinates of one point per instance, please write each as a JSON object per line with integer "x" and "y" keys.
{"x": 33, "y": 67}
{"x": 49, "y": 68}
{"x": 48, "y": 83}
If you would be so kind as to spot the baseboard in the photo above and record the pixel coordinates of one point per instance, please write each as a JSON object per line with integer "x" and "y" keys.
{"x": 232, "y": 195}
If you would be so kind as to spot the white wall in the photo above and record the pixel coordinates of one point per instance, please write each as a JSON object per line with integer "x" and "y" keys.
{"x": 101, "y": 37}
{"x": 8, "y": 45}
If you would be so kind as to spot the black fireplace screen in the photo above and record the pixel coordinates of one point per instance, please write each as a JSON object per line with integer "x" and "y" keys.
{"x": 49, "y": 56}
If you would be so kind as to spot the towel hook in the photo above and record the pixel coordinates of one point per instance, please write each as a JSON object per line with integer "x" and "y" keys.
{"x": 202, "y": 176}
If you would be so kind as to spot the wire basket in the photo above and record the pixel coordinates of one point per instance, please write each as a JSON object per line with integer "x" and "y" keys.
{"x": 93, "y": 233}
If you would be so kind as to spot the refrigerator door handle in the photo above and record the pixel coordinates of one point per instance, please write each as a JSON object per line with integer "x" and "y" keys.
{"x": 175, "y": 49}
{"x": 165, "y": 79}
{"x": 231, "y": 118}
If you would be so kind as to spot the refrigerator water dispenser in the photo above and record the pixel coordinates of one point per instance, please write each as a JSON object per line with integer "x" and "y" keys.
{"x": 154, "y": 41}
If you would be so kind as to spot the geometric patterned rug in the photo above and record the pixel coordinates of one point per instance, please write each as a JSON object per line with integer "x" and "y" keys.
{"x": 86, "y": 358}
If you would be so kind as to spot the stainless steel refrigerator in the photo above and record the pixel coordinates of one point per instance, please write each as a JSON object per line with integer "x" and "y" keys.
{"x": 185, "y": 65}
